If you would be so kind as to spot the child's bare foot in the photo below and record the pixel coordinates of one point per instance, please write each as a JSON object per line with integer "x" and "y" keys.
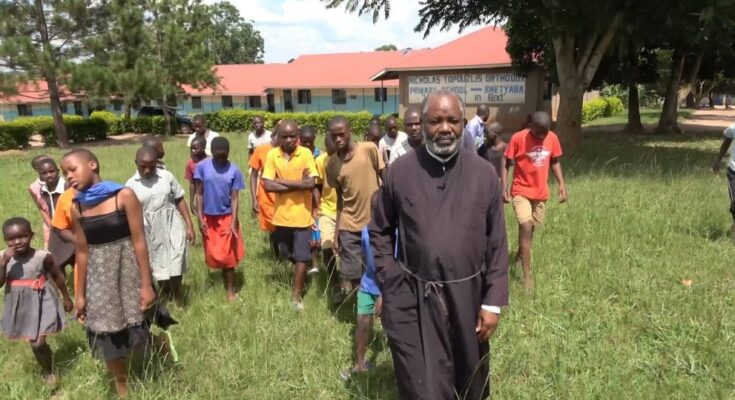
{"x": 231, "y": 296}
{"x": 50, "y": 380}
{"x": 528, "y": 283}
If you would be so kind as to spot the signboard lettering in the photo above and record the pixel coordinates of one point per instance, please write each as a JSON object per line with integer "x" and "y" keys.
{"x": 492, "y": 88}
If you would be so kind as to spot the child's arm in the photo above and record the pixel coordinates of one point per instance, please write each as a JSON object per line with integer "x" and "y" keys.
{"x": 235, "y": 199}
{"x": 316, "y": 199}
{"x": 4, "y": 260}
{"x": 504, "y": 179}
{"x": 134, "y": 212}
{"x": 273, "y": 186}
{"x": 723, "y": 149}
{"x": 556, "y": 168}
{"x": 59, "y": 280}
{"x": 192, "y": 196}
{"x": 82, "y": 260}
{"x": 184, "y": 211}
{"x": 67, "y": 235}
{"x": 254, "y": 190}
{"x": 46, "y": 218}
{"x": 200, "y": 206}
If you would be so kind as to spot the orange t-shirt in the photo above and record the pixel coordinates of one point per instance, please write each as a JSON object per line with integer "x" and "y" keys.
{"x": 532, "y": 160}
{"x": 266, "y": 200}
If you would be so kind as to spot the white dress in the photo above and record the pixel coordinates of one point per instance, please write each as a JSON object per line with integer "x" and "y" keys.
{"x": 165, "y": 229}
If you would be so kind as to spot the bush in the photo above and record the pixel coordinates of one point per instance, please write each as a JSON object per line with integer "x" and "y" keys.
{"x": 152, "y": 125}
{"x": 78, "y": 129}
{"x": 14, "y": 135}
{"x": 593, "y": 109}
{"x": 614, "y": 106}
{"x": 111, "y": 121}
{"x": 239, "y": 120}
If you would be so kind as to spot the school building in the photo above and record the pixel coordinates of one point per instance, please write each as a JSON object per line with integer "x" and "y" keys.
{"x": 475, "y": 66}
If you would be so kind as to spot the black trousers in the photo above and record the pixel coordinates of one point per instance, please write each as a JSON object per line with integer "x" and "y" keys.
{"x": 731, "y": 187}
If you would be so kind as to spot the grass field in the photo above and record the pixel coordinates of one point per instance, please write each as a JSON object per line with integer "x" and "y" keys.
{"x": 610, "y": 318}
{"x": 649, "y": 116}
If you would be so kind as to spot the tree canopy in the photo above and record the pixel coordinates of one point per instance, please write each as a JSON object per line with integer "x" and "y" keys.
{"x": 232, "y": 39}
{"x": 387, "y": 47}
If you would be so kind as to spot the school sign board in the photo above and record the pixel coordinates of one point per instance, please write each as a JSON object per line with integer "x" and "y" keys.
{"x": 488, "y": 88}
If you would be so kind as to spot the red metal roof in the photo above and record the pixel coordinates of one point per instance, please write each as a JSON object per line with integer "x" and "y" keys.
{"x": 33, "y": 92}
{"x": 482, "y": 48}
{"x": 242, "y": 79}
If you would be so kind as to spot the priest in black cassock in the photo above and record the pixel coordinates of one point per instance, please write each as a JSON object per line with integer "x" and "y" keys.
{"x": 443, "y": 292}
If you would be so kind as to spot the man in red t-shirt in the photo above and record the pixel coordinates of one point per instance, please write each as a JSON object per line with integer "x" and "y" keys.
{"x": 530, "y": 153}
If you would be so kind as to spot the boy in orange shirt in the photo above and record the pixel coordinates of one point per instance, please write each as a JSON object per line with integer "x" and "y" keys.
{"x": 263, "y": 202}
{"x": 531, "y": 153}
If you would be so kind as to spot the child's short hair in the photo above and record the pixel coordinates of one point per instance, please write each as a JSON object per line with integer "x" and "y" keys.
{"x": 15, "y": 221}
{"x": 307, "y": 130}
{"x": 283, "y": 123}
{"x": 45, "y": 161}
{"x": 220, "y": 144}
{"x": 151, "y": 141}
{"x": 146, "y": 151}
{"x": 85, "y": 154}
{"x": 199, "y": 117}
{"x": 198, "y": 140}
{"x": 35, "y": 160}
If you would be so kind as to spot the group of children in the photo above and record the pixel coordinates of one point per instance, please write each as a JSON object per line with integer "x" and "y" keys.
{"x": 128, "y": 244}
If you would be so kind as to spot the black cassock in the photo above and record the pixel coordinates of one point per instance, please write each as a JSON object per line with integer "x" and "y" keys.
{"x": 452, "y": 229}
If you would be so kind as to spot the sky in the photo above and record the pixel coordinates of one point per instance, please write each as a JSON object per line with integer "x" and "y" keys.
{"x": 294, "y": 27}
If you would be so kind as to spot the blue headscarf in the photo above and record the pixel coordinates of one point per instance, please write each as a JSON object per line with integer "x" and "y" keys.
{"x": 98, "y": 193}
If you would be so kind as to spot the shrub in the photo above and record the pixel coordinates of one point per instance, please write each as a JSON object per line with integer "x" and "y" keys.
{"x": 78, "y": 129}
{"x": 239, "y": 120}
{"x": 14, "y": 135}
{"x": 614, "y": 106}
{"x": 593, "y": 109}
{"x": 111, "y": 121}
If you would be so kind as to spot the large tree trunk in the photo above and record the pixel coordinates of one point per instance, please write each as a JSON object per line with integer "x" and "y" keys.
{"x": 668, "y": 121}
{"x": 634, "y": 104}
{"x": 691, "y": 99}
{"x": 128, "y": 108}
{"x": 569, "y": 116}
{"x": 49, "y": 72}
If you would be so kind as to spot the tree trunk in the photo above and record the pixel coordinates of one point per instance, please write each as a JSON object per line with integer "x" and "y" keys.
{"x": 634, "y": 104}
{"x": 49, "y": 72}
{"x": 668, "y": 121}
{"x": 128, "y": 110}
{"x": 569, "y": 116}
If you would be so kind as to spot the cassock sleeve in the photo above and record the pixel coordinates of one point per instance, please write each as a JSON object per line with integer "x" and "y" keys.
{"x": 495, "y": 282}
{"x": 382, "y": 230}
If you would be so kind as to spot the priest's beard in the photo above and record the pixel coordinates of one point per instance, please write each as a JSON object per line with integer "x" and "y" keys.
{"x": 441, "y": 150}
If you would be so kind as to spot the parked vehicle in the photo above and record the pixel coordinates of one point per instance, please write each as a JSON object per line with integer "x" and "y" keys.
{"x": 150, "y": 111}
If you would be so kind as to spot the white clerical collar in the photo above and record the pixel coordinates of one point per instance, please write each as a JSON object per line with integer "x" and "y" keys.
{"x": 440, "y": 159}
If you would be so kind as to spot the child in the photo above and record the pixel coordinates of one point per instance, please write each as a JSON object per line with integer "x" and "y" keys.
{"x": 307, "y": 136}
{"x": 196, "y": 148}
{"x": 494, "y": 146}
{"x": 31, "y": 308}
{"x": 259, "y": 136}
{"x": 290, "y": 173}
{"x": 156, "y": 144}
{"x": 373, "y": 134}
{"x": 263, "y": 202}
{"x": 327, "y": 210}
{"x": 166, "y": 220}
{"x": 218, "y": 185}
{"x": 369, "y": 303}
{"x": 51, "y": 189}
{"x": 34, "y": 189}
{"x": 113, "y": 272}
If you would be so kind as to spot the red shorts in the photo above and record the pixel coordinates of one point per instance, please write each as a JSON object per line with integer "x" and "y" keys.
{"x": 222, "y": 249}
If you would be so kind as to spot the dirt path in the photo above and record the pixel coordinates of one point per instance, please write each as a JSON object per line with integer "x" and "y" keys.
{"x": 708, "y": 120}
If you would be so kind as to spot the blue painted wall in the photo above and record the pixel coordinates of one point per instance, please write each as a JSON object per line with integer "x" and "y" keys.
{"x": 359, "y": 103}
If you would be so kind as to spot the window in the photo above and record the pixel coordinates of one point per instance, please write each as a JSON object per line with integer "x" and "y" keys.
{"x": 381, "y": 95}
{"x": 304, "y": 96}
{"x": 64, "y": 107}
{"x": 196, "y": 102}
{"x": 227, "y": 101}
{"x": 339, "y": 96}
{"x": 254, "y": 101}
{"x": 78, "y": 110}
{"x": 117, "y": 105}
{"x": 25, "y": 110}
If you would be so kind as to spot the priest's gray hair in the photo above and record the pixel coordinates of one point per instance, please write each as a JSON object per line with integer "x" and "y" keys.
{"x": 425, "y": 103}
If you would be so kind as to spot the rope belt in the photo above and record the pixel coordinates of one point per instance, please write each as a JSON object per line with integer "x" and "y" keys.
{"x": 34, "y": 284}
{"x": 434, "y": 287}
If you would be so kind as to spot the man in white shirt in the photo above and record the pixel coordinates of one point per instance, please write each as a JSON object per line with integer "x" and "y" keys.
{"x": 392, "y": 136}
{"x": 476, "y": 126}
{"x": 414, "y": 134}
{"x": 259, "y": 136}
{"x": 200, "y": 129}
{"x": 728, "y": 134}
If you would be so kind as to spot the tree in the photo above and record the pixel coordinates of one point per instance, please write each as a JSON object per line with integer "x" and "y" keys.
{"x": 180, "y": 29}
{"x": 577, "y": 36}
{"x": 387, "y": 47}
{"x": 233, "y": 40}
{"x": 40, "y": 39}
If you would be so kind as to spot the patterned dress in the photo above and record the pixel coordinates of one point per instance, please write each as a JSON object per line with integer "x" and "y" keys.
{"x": 32, "y": 308}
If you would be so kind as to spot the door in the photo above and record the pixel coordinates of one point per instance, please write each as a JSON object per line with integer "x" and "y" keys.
{"x": 287, "y": 101}
{"x": 269, "y": 101}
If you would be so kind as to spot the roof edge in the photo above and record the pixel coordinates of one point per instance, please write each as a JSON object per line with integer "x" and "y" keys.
{"x": 387, "y": 71}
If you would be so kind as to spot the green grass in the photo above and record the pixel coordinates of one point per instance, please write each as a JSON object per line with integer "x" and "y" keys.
{"x": 609, "y": 318}
{"x": 648, "y": 116}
